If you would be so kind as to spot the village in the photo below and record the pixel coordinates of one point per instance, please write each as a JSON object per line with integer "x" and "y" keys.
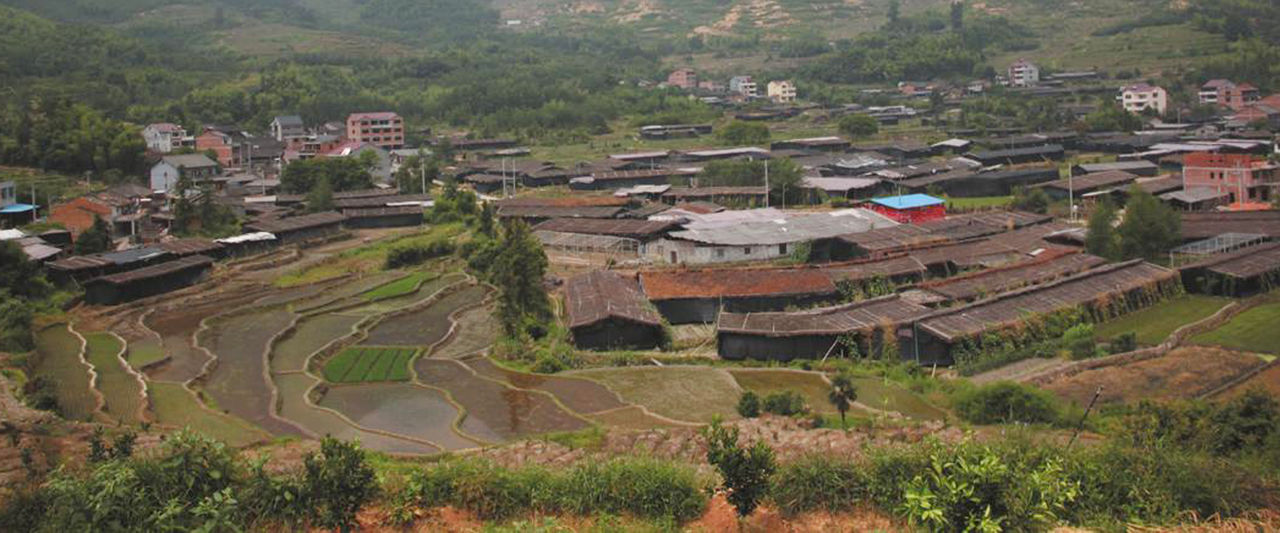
{"x": 341, "y": 278}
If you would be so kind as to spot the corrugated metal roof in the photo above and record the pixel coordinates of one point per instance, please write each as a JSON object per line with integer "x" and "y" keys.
{"x": 1244, "y": 263}
{"x": 868, "y": 315}
{"x": 195, "y": 261}
{"x": 734, "y": 283}
{"x": 623, "y": 227}
{"x": 908, "y": 201}
{"x": 184, "y": 247}
{"x": 285, "y": 225}
{"x": 790, "y": 230}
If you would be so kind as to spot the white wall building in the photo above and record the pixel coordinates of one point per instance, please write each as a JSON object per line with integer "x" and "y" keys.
{"x": 1023, "y": 73}
{"x": 1140, "y": 97}
{"x": 743, "y": 85}
{"x": 782, "y": 92}
{"x": 164, "y": 137}
{"x": 753, "y": 239}
{"x": 166, "y": 173}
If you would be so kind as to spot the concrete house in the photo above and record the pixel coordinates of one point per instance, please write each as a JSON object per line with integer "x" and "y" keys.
{"x": 1142, "y": 96}
{"x": 782, "y": 91}
{"x": 1023, "y": 73}
{"x": 171, "y": 168}
{"x": 744, "y": 86}
{"x": 165, "y": 137}
{"x": 288, "y": 127}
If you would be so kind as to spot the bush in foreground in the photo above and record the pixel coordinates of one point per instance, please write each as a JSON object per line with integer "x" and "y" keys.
{"x": 1008, "y": 402}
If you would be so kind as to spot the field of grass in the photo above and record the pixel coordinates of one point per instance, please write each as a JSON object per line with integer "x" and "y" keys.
{"x": 881, "y": 394}
{"x": 358, "y": 365}
{"x": 687, "y": 393}
{"x": 399, "y": 287}
{"x": 121, "y": 389}
{"x": 1255, "y": 330}
{"x": 366, "y": 259}
{"x": 808, "y": 384}
{"x": 59, "y": 363}
{"x": 176, "y": 406}
{"x": 1154, "y": 324}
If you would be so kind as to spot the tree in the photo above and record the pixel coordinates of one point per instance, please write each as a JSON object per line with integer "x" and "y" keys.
{"x": 96, "y": 239}
{"x": 21, "y": 276}
{"x": 741, "y": 132}
{"x": 749, "y": 405}
{"x": 1101, "y": 239}
{"x": 746, "y": 471}
{"x": 518, "y": 271}
{"x": 343, "y": 173}
{"x": 485, "y": 223}
{"x": 895, "y": 12}
{"x": 1034, "y": 200}
{"x": 321, "y": 197}
{"x": 339, "y": 482}
{"x": 1112, "y": 118}
{"x": 957, "y": 16}
{"x": 785, "y": 177}
{"x": 843, "y": 393}
{"x": 1150, "y": 228}
{"x": 858, "y": 125}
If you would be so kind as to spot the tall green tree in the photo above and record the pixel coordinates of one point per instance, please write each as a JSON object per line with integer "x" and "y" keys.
{"x": 96, "y": 239}
{"x": 21, "y": 276}
{"x": 1102, "y": 239}
{"x": 741, "y": 132}
{"x": 1150, "y": 228}
{"x": 321, "y": 197}
{"x": 858, "y": 125}
{"x": 519, "y": 272}
{"x": 343, "y": 173}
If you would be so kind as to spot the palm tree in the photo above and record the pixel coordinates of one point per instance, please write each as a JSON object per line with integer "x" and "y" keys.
{"x": 842, "y": 394}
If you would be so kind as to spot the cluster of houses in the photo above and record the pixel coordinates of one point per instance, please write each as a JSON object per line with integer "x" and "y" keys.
{"x": 739, "y": 88}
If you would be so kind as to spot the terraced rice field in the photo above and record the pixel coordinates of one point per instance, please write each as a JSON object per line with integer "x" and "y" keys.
{"x": 579, "y": 395}
{"x": 359, "y": 365}
{"x": 685, "y": 393}
{"x": 406, "y": 285}
{"x": 495, "y": 412}
{"x": 59, "y": 362}
{"x": 412, "y": 299}
{"x": 143, "y": 352}
{"x": 423, "y": 327}
{"x": 879, "y": 394}
{"x": 403, "y": 409}
{"x": 238, "y": 382}
{"x": 630, "y": 417}
{"x": 343, "y": 293}
{"x": 121, "y": 389}
{"x": 176, "y": 406}
{"x": 309, "y": 336}
{"x": 176, "y": 326}
{"x": 293, "y": 407}
{"x": 1254, "y": 330}
{"x": 810, "y": 385}
{"x": 476, "y": 331}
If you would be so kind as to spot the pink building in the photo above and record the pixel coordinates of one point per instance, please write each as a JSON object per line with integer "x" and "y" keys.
{"x": 1239, "y": 175}
{"x": 1227, "y": 93}
{"x": 385, "y": 129}
{"x": 684, "y": 78}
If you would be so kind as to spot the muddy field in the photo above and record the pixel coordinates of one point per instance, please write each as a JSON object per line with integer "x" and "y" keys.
{"x": 476, "y": 331}
{"x": 579, "y": 395}
{"x": 402, "y": 409}
{"x": 426, "y": 326}
{"x": 495, "y": 412}
{"x": 322, "y": 422}
{"x": 1183, "y": 373}
{"x": 238, "y": 383}
{"x": 58, "y": 361}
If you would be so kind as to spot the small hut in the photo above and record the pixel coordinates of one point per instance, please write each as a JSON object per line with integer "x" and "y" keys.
{"x": 148, "y": 281}
{"x": 607, "y": 311}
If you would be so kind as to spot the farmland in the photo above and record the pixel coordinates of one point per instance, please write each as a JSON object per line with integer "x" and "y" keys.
{"x": 358, "y": 365}
{"x": 1254, "y": 330}
{"x": 1154, "y": 324}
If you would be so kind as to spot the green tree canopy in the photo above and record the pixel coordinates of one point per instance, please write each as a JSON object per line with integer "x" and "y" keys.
{"x": 1102, "y": 240}
{"x": 19, "y": 275}
{"x": 320, "y": 198}
{"x": 1150, "y": 228}
{"x": 785, "y": 177}
{"x": 741, "y": 132}
{"x": 858, "y": 125}
{"x": 343, "y": 174}
{"x": 518, "y": 271}
{"x": 96, "y": 239}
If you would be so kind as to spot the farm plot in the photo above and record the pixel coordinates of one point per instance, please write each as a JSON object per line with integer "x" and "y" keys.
{"x": 344, "y": 293}
{"x": 1183, "y": 373}
{"x": 411, "y": 299}
{"x": 122, "y": 391}
{"x": 686, "y": 393}
{"x": 579, "y": 395}
{"x": 175, "y": 327}
{"x": 423, "y": 327}
{"x": 175, "y": 406}
{"x": 238, "y": 382}
{"x": 1267, "y": 380}
{"x": 629, "y": 418}
{"x": 1255, "y": 330}
{"x": 365, "y": 364}
{"x": 810, "y": 385}
{"x": 403, "y": 409}
{"x": 293, "y": 294}
{"x": 1154, "y": 324}
{"x": 476, "y": 331}
{"x": 309, "y": 336}
{"x": 293, "y": 407}
{"x": 58, "y": 362}
{"x": 400, "y": 287}
{"x": 143, "y": 352}
{"x": 877, "y": 393}
{"x": 494, "y": 411}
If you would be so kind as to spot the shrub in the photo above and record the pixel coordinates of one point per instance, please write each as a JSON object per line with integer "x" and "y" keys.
{"x": 1007, "y": 402}
{"x": 784, "y": 403}
{"x": 1124, "y": 343}
{"x": 415, "y": 254}
{"x": 749, "y": 405}
{"x": 338, "y": 483}
{"x": 746, "y": 471}
{"x": 820, "y": 483}
{"x": 1078, "y": 339}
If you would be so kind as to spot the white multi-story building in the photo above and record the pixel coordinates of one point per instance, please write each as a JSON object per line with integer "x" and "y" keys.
{"x": 743, "y": 85}
{"x": 1142, "y": 96}
{"x": 1023, "y": 73}
{"x": 782, "y": 92}
{"x": 164, "y": 137}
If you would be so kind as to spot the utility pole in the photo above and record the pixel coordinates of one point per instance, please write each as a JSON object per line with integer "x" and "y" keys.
{"x": 1071, "y": 195}
{"x": 766, "y": 184}
{"x": 422, "y": 169}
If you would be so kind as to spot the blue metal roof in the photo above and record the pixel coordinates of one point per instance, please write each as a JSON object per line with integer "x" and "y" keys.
{"x": 908, "y": 201}
{"x": 17, "y": 208}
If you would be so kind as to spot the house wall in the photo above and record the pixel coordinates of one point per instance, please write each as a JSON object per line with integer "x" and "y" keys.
{"x": 164, "y": 177}
{"x": 1230, "y": 173}
{"x": 101, "y": 293}
{"x": 689, "y": 253}
{"x": 215, "y": 141}
{"x": 912, "y": 216}
{"x": 616, "y": 334}
{"x": 739, "y": 346}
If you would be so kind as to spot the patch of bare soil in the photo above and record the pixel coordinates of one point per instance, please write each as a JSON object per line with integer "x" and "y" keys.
{"x": 1267, "y": 380}
{"x": 1183, "y": 373}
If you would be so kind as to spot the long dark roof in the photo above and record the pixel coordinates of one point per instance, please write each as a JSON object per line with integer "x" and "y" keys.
{"x": 707, "y": 192}
{"x": 155, "y": 271}
{"x": 1007, "y": 309}
{"x": 1093, "y": 182}
{"x": 735, "y": 283}
{"x": 623, "y": 175}
{"x": 1017, "y": 152}
{"x": 1197, "y": 226}
{"x": 185, "y": 247}
{"x": 998, "y": 280}
{"x": 517, "y": 211}
{"x": 621, "y": 227}
{"x": 888, "y": 311}
{"x": 1244, "y": 263}
{"x": 601, "y": 295}
{"x": 375, "y": 212}
{"x": 285, "y": 225}
{"x": 379, "y": 201}
{"x": 124, "y": 257}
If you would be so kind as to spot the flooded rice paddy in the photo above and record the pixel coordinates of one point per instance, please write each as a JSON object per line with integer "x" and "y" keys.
{"x": 59, "y": 363}
{"x": 580, "y": 395}
{"x": 423, "y": 327}
{"x": 238, "y": 383}
{"x": 495, "y": 412}
{"x": 321, "y": 422}
{"x": 311, "y": 334}
{"x": 399, "y": 408}
{"x": 121, "y": 390}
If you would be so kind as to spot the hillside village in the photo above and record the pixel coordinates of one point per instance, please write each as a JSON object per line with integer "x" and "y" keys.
{"x": 787, "y": 304}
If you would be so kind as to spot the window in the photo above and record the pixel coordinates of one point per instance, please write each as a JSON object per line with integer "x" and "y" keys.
{"x": 782, "y": 249}
{"x": 719, "y": 253}
{"x": 746, "y": 251}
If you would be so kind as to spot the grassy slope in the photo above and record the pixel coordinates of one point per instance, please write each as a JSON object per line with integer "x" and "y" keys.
{"x": 1154, "y": 324}
{"x": 120, "y": 388}
{"x": 399, "y": 287}
{"x": 1255, "y": 330}
{"x": 688, "y": 393}
{"x": 176, "y": 406}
